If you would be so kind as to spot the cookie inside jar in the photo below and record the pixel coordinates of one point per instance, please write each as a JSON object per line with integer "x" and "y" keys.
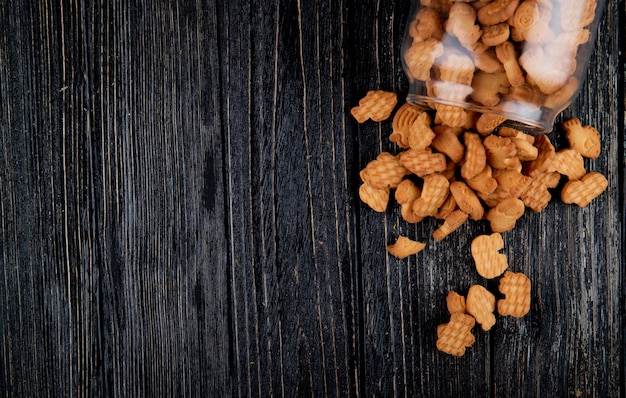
{"x": 523, "y": 61}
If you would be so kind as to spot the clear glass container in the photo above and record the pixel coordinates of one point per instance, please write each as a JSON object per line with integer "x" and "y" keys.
{"x": 523, "y": 61}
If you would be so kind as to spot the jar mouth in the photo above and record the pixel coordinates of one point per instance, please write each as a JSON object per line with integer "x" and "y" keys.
{"x": 528, "y": 120}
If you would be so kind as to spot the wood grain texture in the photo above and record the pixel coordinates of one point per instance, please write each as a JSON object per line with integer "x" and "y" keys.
{"x": 179, "y": 214}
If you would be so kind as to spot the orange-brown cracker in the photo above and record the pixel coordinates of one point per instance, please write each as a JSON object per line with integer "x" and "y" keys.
{"x": 485, "y": 251}
{"x": 448, "y": 143}
{"x": 451, "y": 223}
{"x": 377, "y": 199}
{"x": 483, "y": 183}
{"x": 545, "y": 156}
{"x": 405, "y": 195}
{"x": 584, "y": 139}
{"x": 405, "y": 247}
{"x": 434, "y": 192}
{"x": 455, "y": 336}
{"x": 404, "y": 117}
{"x": 386, "y": 171}
{"x": 516, "y": 289}
{"x": 536, "y": 196}
{"x": 376, "y": 105}
{"x": 497, "y": 11}
{"x": 423, "y": 163}
{"x": 501, "y": 152}
{"x": 569, "y": 162}
{"x": 475, "y": 156}
{"x": 481, "y": 303}
{"x": 467, "y": 200}
{"x": 503, "y": 217}
{"x": 447, "y": 207}
{"x": 420, "y": 133}
{"x": 455, "y": 303}
{"x": 583, "y": 191}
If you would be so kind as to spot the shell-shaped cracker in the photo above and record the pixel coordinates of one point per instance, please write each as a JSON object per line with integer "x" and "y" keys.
{"x": 516, "y": 289}
{"x": 467, "y": 200}
{"x": 481, "y": 303}
{"x": 434, "y": 192}
{"x": 545, "y": 156}
{"x": 536, "y": 196}
{"x": 569, "y": 162}
{"x": 375, "y": 198}
{"x": 402, "y": 120}
{"x": 489, "y": 262}
{"x": 583, "y": 191}
{"x": 496, "y": 11}
{"x": 501, "y": 152}
{"x": 584, "y": 139}
{"x": 503, "y": 217}
{"x": 475, "y": 156}
{"x": 455, "y": 336}
{"x": 376, "y": 105}
{"x": 423, "y": 163}
{"x": 451, "y": 223}
{"x": 405, "y": 247}
{"x": 455, "y": 303}
{"x": 386, "y": 171}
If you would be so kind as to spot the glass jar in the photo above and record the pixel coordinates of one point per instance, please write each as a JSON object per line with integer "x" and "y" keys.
{"x": 521, "y": 60}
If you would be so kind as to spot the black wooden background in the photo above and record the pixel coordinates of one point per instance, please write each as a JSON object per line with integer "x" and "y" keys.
{"x": 179, "y": 214}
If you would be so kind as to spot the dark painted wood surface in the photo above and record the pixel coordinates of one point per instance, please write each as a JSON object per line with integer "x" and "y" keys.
{"x": 179, "y": 214}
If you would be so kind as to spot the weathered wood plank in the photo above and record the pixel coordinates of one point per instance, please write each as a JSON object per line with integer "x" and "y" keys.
{"x": 114, "y": 236}
{"x": 291, "y": 222}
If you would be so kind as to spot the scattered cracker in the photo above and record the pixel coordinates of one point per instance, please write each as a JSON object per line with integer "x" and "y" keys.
{"x": 583, "y": 191}
{"x": 377, "y": 199}
{"x": 481, "y": 303}
{"x": 454, "y": 337}
{"x": 405, "y": 247}
{"x": 485, "y": 251}
{"x": 377, "y": 105}
{"x": 516, "y": 288}
{"x": 455, "y": 303}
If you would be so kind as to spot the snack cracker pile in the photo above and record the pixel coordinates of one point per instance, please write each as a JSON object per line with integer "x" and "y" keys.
{"x": 479, "y": 171}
